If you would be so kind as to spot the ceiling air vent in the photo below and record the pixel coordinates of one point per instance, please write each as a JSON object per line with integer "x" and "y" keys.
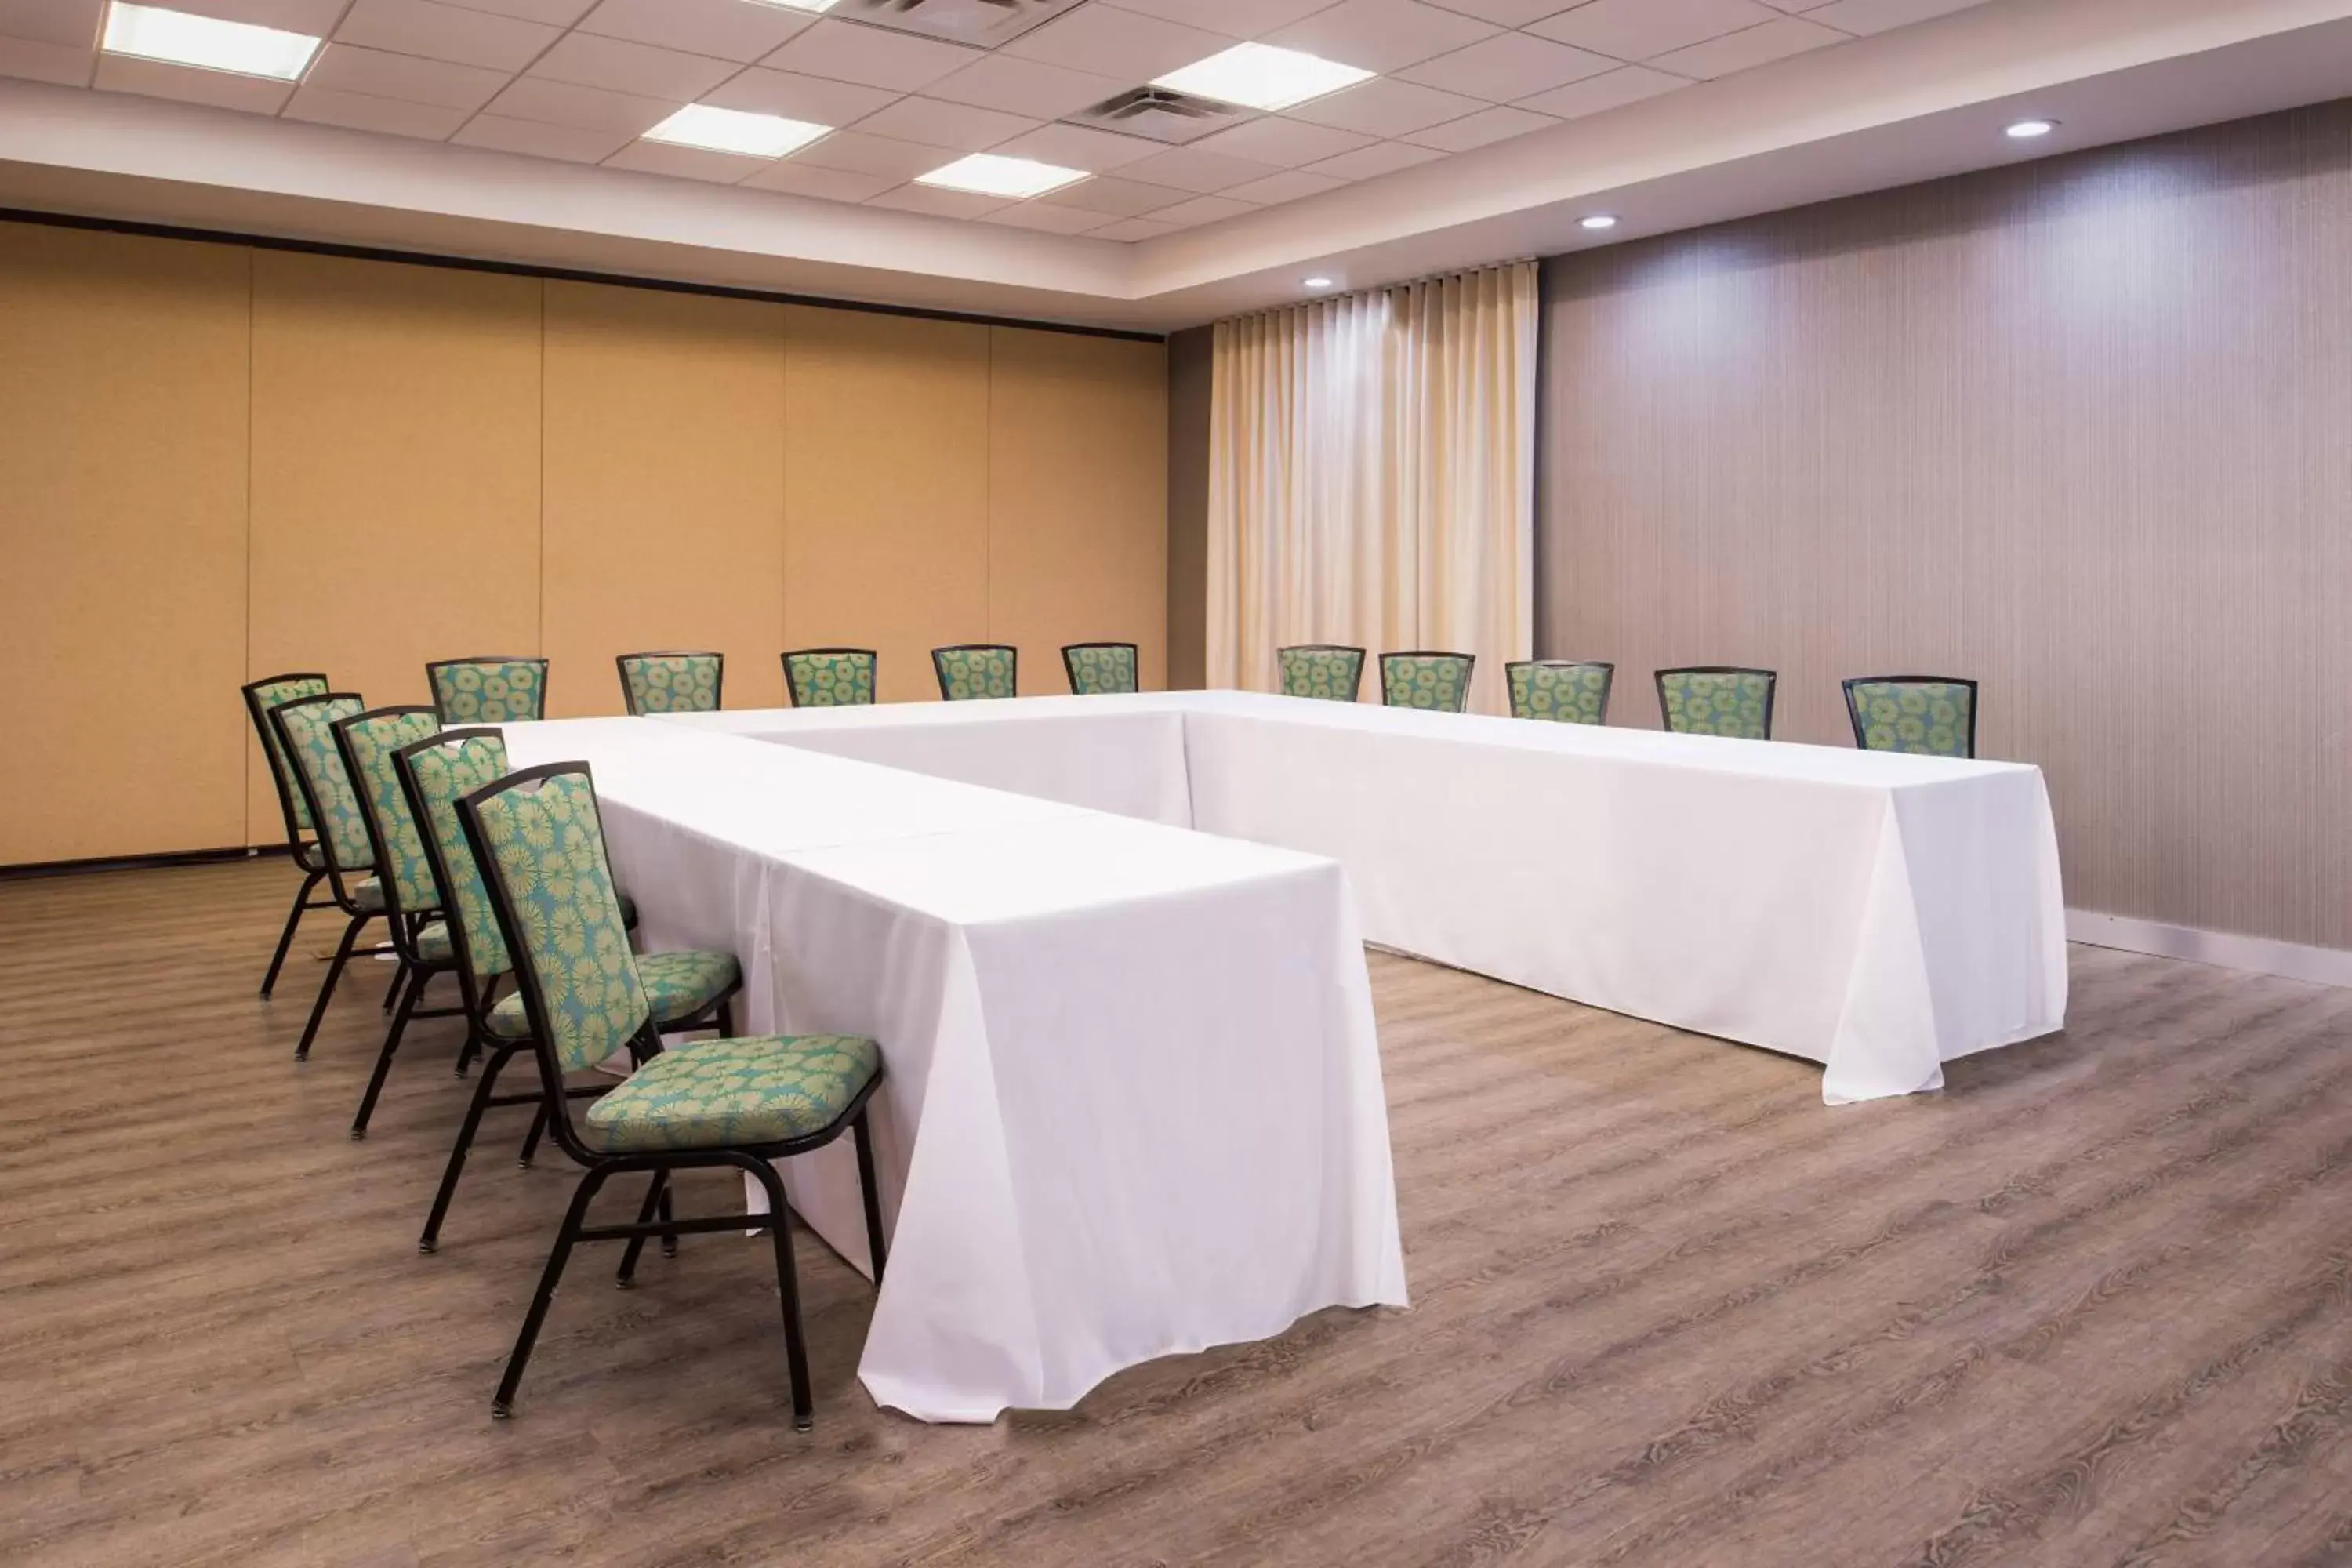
{"x": 981, "y": 23}
{"x": 1159, "y": 114}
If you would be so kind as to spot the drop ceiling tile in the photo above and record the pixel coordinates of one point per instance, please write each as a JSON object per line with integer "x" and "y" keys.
{"x": 1386, "y": 107}
{"x": 1628, "y": 84}
{"x": 1288, "y": 186}
{"x": 815, "y": 98}
{"x": 937, "y": 202}
{"x": 555, "y": 13}
{"x": 935, "y": 124}
{"x": 1190, "y": 169}
{"x": 1641, "y": 29}
{"x": 574, "y": 145}
{"x": 1133, "y": 228}
{"x": 1016, "y": 86}
{"x": 685, "y": 162}
{"x": 1481, "y": 130}
{"x": 69, "y": 23}
{"x": 1508, "y": 66}
{"x": 358, "y": 111}
{"x": 1283, "y": 143}
{"x": 862, "y": 155}
{"x": 444, "y": 33}
{"x": 1077, "y": 147}
{"x": 1234, "y": 18}
{"x": 1506, "y": 12}
{"x": 36, "y": 61}
{"x": 1881, "y": 15}
{"x": 1126, "y": 45}
{"x": 726, "y": 29}
{"x": 346, "y": 68}
{"x": 1116, "y": 197}
{"x": 1202, "y": 209}
{"x": 1370, "y": 162}
{"x": 1052, "y": 220}
{"x": 872, "y": 57}
{"x": 582, "y": 108}
{"x": 315, "y": 17}
{"x": 794, "y": 177}
{"x": 1775, "y": 40}
{"x": 153, "y": 78}
{"x": 583, "y": 59}
{"x": 1382, "y": 34}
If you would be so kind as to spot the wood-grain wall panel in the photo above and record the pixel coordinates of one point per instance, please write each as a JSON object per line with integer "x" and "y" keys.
{"x": 123, "y": 529}
{"x": 2082, "y": 429}
{"x": 665, "y": 501}
{"x": 1077, "y": 499}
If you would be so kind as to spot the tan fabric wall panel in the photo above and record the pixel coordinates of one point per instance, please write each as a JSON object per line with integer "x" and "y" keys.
{"x": 886, "y": 489}
{"x": 1077, "y": 499}
{"x": 664, "y": 520}
{"x": 123, "y": 529}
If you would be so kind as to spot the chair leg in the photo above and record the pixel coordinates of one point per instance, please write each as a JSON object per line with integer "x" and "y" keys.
{"x": 726, "y": 1019}
{"x": 327, "y": 988}
{"x": 470, "y": 1048}
{"x": 530, "y": 1140}
{"x": 502, "y": 1404}
{"x": 408, "y": 998}
{"x": 669, "y": 1237}
{"x": 391, "y": 992}
{"x": 657, "y": 1193}
{"x": 779, "y": 1217}
{"x": 286, "y": 938}
{"x": 863, "y": 1136}
{"x": 431, "y": 1239}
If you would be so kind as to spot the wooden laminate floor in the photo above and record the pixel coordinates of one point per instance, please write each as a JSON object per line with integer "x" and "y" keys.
{"x": 2091, "y": 1305}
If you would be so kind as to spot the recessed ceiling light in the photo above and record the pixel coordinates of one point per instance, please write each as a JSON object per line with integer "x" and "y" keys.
{"x": 733, "y": 131}
{"x": 1316, "y": 283}
{"x": 152, "y": 33}
{"x": 1259, "y": 76}
{"x": 800, "y": 5}
{"x": 989, "y": 174}
{"x": 2027, "y": 129}
{"x": 1599, "y": 220}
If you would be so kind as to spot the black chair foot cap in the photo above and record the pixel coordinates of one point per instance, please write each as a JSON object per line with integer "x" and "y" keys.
{"x": 501, "y": 1410}
{"x": 429, "y": 1247}
{"x": 358, "y": 1133}
{"x": 803, "y": 1423}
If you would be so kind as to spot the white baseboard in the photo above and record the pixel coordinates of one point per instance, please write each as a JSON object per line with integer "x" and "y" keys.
{"x": 2260, "y": 954}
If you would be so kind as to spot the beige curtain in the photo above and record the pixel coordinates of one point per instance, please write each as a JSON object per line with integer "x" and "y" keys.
{"x": 1371, "y": 478}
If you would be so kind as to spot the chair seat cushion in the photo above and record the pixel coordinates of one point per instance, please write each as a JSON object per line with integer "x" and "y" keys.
{"x": 678, "y": 986}
{"x": 310, "y": 857}
{"x": 718, "y": 1094}
{"x": 432, "y": 943}
{"x": 368, "y": 895}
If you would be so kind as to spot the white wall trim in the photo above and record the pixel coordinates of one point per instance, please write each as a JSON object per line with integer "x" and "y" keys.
{"x": 2260, "y": 954}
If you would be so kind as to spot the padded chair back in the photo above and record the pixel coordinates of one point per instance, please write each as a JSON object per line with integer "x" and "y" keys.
{"x": 1100, "y": 668}
{"x": 1930, "y": 715}
{"x": 260, "y": 696}
{"x": 1718, "y": 699}
{"x": 970, "y": 670}
{"x": 1425, "y": 678}
{"x": 1321, "y": 670}
{"x": 490, "y": 688}
{"x": 1565, "y": 691}
{"x": 830, "y": 676}
{"x": 436, "y": 774}
{"x": 306, "y": 729}
{"x": 397, "y": 849}
{"x": 671, "y": 683}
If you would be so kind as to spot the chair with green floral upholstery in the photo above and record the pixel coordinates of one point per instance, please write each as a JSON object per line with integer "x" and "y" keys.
{"x": 305, "y": 729}
{"x": 1563, "y": 691}
{"x": 1718, "y": 699}
{"x": 671, "y": 683}
{"x": 1326, "y": 670}
{"x": 740, "y": 1104}
{"x": 302, "y": 845}
{"x": 976, "y": 669}
{"x": 1427, "y": 679}
{"x": 489, "y": 689}
{"x": 685, "y": 991}
{"x": 830, "y": 676}
{"x": 1100, "y": 669}
{"x": 1929, "y": 715}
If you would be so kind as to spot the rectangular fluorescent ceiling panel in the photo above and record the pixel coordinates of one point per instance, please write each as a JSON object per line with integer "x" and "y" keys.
{"x": 991, "y": 175}
{"x": 733, "y": 131}
{"x": 1259, "y": 76}
{"x": 799, "y": 5}
{"x": 175, "y": 37}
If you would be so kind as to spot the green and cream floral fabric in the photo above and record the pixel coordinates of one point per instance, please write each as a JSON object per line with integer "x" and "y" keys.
{"x": 672, "y": 682}
{"x": 309, "y": 733}
{"x": 679, "y": 986}
{"x": 1333, "y": 673}
{"x": 367, "y": 894}
{"x": 726, "y": 1093}
{"x": 490, "y": 691}
{"x": 432, "y": 943}
{"x": 372, "y": 741}
{"x": 446, "y": 775}
{"x": 966, "y": 673}
{"x": 1098, "y": 669}
{"x": 1737, "y": 703}
{"x": 1928, "y": 717}
{"x": 277, "y": 694}
{"x": 821, "y": 679}
{"x": 1437, "y": 681}
{"x": 1563, "y": 693}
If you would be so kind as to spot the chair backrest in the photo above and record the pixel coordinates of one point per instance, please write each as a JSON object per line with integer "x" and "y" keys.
{"x": 306, "y": 730}
{"x": 260, "y": 696}
{"x": 541, "y": 844}
{"x": 969, "y": 670}
{"x": 1933, "y": 715}
{"x": 1321, "y": 670}
{"x": 1425, "y": 677}
{"x": 1718, "y": 699}
{"x": 436, "y": 774}
{"x": 367, "y": 741}
{"x": 671, "y": 683}
{"x": 830, "y": 676}
{"x": 490, "y": 689}
{"x": 1566, "y": 691}
{"x": 1098, "y": 669}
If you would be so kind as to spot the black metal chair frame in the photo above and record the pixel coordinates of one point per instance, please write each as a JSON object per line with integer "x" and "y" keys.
{"x": 336, "y": 873}
{"x": 433, "y": 681}
{"x": 1854, "y": 713}
{"x": 1070, "y": 666}
{"x": 1356, "y": 696}
{"x": 653, "y": 1219}
{"x": 311, "y": 875}
{"x": 939, "y": 670}
{"x": 629, "y": 692}
{"x": 1469, "y": 669}
{"x": 1772, "y": 689}
{"x": 1608, "y": 676}
{"x": 793, "y": 686}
